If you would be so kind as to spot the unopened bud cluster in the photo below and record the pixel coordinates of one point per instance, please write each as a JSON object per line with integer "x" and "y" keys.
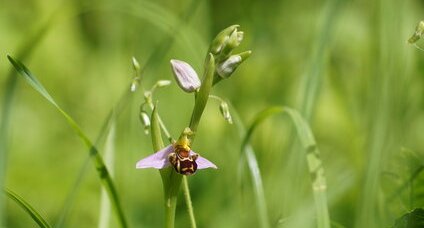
{"x": 222, "y": 48}
{"x": 419, "y": 30}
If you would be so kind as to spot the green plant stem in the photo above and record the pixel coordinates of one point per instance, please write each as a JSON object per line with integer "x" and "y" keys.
{"x": 170, "y": 196}
{"x": 170, "y": 179}
{"x": 203, "y": 95}
{"x": 188, "y": 203}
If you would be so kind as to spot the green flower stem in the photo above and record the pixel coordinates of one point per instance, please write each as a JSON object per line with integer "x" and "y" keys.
{"x": 203, "y": 94}
{"x": 170, "y": 194}
{"x": 188, "y": 202}
{"x": 171, "y": 181}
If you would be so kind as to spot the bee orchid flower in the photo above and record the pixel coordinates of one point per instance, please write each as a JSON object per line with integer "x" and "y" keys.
{"x": 186, "y": 166}
{"x": 179, "y": 155}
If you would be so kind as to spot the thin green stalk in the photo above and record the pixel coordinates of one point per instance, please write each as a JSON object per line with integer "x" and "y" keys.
{"x": 170, "y": 179}
{"x": 203, "y": 95}
{"x": 252, "y": 163}
{"x": 106, "y": 127}
{"x": 158, "y": 144}
{"x": 105, "y": 207}
{"x": 188, "y": 203}
{"x": 28, "y": 209}
{"x": 97, "y": 159}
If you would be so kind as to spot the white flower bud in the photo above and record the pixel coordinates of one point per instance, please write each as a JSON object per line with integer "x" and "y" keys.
{"x": 136, "y": 65}
{"x": 163, "y": 83}
{"x": 225, "y": 112}
{"x": 145, "y": 120}
{"x": 226, "y": 68}
{"x": 185, "y": 76}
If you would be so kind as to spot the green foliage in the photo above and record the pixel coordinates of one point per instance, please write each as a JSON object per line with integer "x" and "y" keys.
{"x": 28, "y": 209}
{"x": 413, "y": 219}
{"x": 97, "y": 159}
{"x": 346, "y": 66}
{"x": 312, "y": 153}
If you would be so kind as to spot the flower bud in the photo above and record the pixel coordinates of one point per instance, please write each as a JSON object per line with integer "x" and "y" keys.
{"x": 225, "y": 112}
{"x": 163, "y": 83}
{"x": 232, "y": 42}
{"x": 226, "y": 68}
{"x": 221, "y": 39}
{"x": 135, "y": 84}
{"x": 136, "y": 81}
{"x": 145, "y": 121}
{"x": 419, "y": 30}
{"x": 185, "y": 76}
{"x": 135, "y": 64}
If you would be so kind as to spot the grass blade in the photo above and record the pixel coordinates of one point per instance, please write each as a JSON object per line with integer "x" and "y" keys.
{"x": 28, "y": 208}
{"x": 97, "y": 159}
{"x": 105, "y": 207}
{"x": 9, "y": 92}
{"x": 314, "y": 163}
{"x": 73, "y": 193}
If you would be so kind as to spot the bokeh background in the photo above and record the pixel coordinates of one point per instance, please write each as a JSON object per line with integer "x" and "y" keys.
{"x": 344, "y": 65}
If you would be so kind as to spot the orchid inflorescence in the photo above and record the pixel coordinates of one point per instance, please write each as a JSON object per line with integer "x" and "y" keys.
{"x": 220, "y": 64}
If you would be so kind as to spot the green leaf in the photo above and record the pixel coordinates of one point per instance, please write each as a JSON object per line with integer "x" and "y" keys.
{"x": 96, "y": 158}
{"x": 312, "y": 157}
{"x": 413, "y": 219}
{"x": 25, "y": 50}
{"x": 28, "y": 208}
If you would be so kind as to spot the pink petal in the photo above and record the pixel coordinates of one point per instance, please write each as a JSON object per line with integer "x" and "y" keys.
{"x": 158, "y": 160}
{"x": 203, "y": 163}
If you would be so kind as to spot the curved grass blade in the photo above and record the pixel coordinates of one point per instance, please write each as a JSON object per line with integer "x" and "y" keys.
{"x": 9, "y": 92}
{"x": 97, "y": 159}
{"x": 28, "y": 209}
{"x": 314, "y": 162}
{"x": 73, "y": 193}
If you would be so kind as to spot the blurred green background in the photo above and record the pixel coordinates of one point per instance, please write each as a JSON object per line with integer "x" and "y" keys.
{"x": 345, "y": 65}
